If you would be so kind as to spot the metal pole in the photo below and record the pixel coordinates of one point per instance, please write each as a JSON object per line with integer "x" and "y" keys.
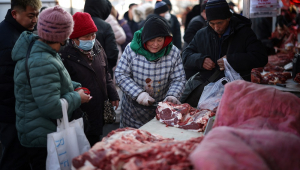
{"x": 71, "y": 7}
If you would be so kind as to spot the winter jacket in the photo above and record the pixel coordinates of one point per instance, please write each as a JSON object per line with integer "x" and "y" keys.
{"x": 10, "y": 32}
{"x": 245, "y": 51}
{"x": 96, "y": 78}
{"x": 37, "y": 106}
{"x": 117, "y": 29}
{"x": 195, "y": 12}
{"x": 195, "y": 25}
{"x": 175, "y": 28}
{"x": 132, "y": 24}
{"x": 100, "y": 10}
{"x": 127, "y": 31}
{"x": 165, "y": 77}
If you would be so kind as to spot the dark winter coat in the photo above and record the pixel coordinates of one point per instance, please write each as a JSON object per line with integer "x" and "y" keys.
{"x": 195, "y": 12}
{"x": 10, "y": 32}
{"x": 132, "y": 24}
{"x": 175, "y": 28}
{"x": 127, "y": 31}
{"x": 244, "y": 53}
{"x": 195, "y": 25}
{"x": 96, "y": 78}
{"x": 99, "y": 10}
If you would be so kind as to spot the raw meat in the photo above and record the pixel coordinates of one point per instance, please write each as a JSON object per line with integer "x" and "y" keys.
{"x": 269, "y": 78}
{"x": 183, "y": 116}
{"x": 297, "y": 78}
{"x": 231, "y": 149}
{"x": 280, "y": 59}
{"x": 133, "y": 149}
{"x": 252, "y": 106}
{"x": 273, "y": 68}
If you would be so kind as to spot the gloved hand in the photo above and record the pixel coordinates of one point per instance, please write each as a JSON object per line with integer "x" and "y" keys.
{"x": 172, "y": 99}
{"x": 145, "y": 99}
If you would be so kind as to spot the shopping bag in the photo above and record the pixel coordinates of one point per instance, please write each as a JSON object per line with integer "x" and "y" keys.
{"x": 68, "y": 142}
{"x": 212, "y": 93}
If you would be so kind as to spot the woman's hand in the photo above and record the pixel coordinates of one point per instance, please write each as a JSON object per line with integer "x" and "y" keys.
{"x": 115, "y": 103}
{"x": 85, "y": 98}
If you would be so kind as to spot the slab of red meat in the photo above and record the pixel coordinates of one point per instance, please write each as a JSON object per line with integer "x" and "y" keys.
{"x": 183, "y": 116}
{"x": 297, "y": 78}
{"x": 280, "y": 59}
{"x": 273, "y": 68}
{"x": 231, "y": 149}
{"x": 253, "y": 106}
{"x": 133, "y": 149}
{"x": 255, "y": 76}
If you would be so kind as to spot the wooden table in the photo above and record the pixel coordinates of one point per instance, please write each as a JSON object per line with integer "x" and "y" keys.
{"x": 156, "y": 127}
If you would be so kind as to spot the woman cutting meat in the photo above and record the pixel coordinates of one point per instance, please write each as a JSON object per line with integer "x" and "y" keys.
{"x": 150, "y": 70}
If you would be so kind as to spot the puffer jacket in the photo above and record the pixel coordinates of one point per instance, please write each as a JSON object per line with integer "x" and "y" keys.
{"x": 39, "y": 105}
{"x": 118, "y": 30}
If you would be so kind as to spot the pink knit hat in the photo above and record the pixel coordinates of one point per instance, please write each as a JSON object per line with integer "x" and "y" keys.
{"x": 55, "y": 24}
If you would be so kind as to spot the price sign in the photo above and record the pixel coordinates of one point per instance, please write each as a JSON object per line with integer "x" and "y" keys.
{"x": 264, "y": 8}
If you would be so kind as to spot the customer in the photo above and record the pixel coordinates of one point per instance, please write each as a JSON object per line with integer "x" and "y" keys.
{"x": 38, "y": 101}
{"x": 86, "y": 62}
{"x": 128, "y": 16}
{"x": 227, "y": 36}
{"x": 150, "y": 70}
{"x": 22, "y": 16}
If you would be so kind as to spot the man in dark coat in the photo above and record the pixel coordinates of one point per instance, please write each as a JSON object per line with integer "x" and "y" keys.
{"x": 21, "y": 17}
{"x": 195, "y": 24}
{"x": 175, "y": 26}
{"x": 128, "y": 16}
{"x": 228, "y": 37}
{"x": 99, "y": 10}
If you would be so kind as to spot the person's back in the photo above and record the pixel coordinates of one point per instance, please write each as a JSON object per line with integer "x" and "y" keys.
{"x": 21, "y": 17}
{"x": 100, "y": 10}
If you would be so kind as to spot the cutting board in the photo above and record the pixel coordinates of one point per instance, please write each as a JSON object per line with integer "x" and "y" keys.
{"x": 156, "y": 127}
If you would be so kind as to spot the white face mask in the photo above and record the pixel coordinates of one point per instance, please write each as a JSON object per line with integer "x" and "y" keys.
{"x": 167, "y": 16}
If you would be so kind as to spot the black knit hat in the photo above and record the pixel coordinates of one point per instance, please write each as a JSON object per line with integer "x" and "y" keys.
{"x": 217, "y": 9}
{"x": 155, "y": 27}
{"x": 160, "y": 7}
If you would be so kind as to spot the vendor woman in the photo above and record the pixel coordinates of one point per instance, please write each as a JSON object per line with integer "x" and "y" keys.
{"x": 149, "y": 71}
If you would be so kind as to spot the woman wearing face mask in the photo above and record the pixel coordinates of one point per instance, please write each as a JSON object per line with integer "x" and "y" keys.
{"x": 150, "y": 70}
{"x": 86, "y": 62}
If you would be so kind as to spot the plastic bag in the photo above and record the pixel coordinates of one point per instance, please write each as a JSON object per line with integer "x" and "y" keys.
{"x": 68, "y": 142}
{"x": 212, "y": 93}
{"x": 230, "y": 73}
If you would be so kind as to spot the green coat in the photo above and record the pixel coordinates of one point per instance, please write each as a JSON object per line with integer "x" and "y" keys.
{"x": 38, "y": 107}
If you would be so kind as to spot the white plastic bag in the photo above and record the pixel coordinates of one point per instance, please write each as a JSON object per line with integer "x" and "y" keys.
{"x": 230, "y": 73}
{"x": 68, "y": 142}
{"x": 212, "y": 93}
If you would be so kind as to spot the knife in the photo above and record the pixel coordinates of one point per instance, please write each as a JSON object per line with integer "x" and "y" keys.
{"x": 153, "y": 106}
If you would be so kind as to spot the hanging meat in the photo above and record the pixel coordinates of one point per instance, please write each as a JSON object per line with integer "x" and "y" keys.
{"x": 183, "y": 116}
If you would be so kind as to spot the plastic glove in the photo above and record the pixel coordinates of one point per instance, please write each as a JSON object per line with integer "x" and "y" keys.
{"x": 172, "y": 99}
{"x": 145, "y": 99}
